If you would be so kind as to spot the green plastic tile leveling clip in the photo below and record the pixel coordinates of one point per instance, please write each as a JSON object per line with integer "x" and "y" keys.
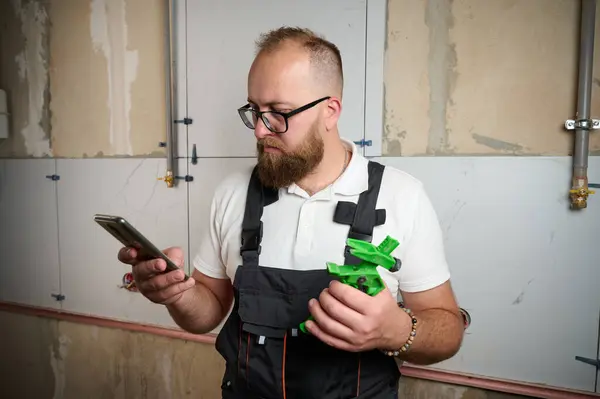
{"x": 364, "y": 276}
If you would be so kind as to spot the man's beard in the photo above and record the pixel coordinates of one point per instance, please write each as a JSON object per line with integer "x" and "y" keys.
{"x": 283, "y": 169}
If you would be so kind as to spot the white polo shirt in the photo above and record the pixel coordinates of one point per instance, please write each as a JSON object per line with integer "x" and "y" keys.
{"x": 300, "y": 234}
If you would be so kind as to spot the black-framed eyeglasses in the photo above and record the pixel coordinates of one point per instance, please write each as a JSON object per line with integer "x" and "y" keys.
{"x": 275, "y": 121}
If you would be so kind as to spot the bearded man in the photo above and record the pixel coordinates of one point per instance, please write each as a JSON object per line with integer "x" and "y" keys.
{"x": 273, "y": 228}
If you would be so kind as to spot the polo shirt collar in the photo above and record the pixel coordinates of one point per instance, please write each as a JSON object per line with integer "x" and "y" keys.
{"x": 353, "y": 181}
{"x": 355, "y": 178}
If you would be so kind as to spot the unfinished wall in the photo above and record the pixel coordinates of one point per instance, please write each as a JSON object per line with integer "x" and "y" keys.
{"x": 24, "y": 56}
{"x": 63, "y": 360}
{"x": 84, "y": 78}
{"x": 463, "y": 77}
{"x": 471, "y": 77}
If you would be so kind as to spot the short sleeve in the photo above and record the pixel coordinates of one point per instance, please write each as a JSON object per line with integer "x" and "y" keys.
{"x": 208, "y": 259}
{"x": 424, "y": 265}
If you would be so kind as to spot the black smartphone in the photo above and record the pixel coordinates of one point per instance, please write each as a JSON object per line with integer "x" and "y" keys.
{"x": 129, "y": 236}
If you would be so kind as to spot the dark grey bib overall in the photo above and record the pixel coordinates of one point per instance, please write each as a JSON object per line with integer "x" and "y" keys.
{"x": 267, "y": 356}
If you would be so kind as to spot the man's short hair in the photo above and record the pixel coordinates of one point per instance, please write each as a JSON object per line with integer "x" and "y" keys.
{"x": 325, "y": 56}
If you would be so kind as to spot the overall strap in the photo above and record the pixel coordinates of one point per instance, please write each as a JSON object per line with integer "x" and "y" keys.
{"x": 362, "y": 216}
{"x": 252, "y": 227}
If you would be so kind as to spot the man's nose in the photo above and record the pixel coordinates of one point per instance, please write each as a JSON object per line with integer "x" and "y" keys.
{"x": 260, "y": 129}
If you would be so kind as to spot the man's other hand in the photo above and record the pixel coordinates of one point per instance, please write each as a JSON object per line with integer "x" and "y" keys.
{"x": 351, "y": 320}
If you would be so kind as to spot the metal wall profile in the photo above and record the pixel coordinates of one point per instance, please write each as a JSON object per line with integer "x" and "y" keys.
{"x": 171, "y": 143}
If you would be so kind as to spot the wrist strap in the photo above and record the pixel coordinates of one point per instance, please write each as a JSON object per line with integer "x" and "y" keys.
{"x": 411, "y": 336}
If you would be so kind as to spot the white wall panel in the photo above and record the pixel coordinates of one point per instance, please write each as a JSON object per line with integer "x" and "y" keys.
{"x": 218, "y": 66}
{"x": 524, "y": 265}
{"x": 91, "y": 274}
{"x": 29, "y": 266}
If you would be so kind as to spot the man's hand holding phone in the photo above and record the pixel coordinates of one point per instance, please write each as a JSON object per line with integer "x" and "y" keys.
{"x": 151, "y": 279}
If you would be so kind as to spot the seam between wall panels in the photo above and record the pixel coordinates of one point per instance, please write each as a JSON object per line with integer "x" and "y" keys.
{"x": 187, "y": 139}
{"x": 57, "y": 213}
{"x": 366, "y": 59}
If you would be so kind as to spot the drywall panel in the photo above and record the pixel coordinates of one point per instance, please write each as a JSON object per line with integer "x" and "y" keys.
{"x": 91, "y": 274}
{"x": 406, "y": 76}
{"x": 376, "y": 33}
{"x": 221, "y": 49}
{"x": 107, "y": 68}
{"x": 522, "y": 52}
{"x": 523, "y": 265}
{"x": 24, "y": 55}
{"x": 29, "y": 264}
{"x": 477, "y": 77}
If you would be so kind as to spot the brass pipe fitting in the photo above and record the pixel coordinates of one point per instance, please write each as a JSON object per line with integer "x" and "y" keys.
{"x": 579, "y": 193}
{"x": 169, "y": 179}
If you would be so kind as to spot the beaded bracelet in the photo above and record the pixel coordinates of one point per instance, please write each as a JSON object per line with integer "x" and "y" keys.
{"x": 411, "y": 337}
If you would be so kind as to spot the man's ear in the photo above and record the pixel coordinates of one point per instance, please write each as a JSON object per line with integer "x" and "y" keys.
{"x": 332, "y": 112}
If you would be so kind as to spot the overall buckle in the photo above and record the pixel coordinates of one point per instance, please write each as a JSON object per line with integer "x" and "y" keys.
{"x": 251, "y": 239}
{"x": 349, "y": 258}
{"x": 360, "y": 236}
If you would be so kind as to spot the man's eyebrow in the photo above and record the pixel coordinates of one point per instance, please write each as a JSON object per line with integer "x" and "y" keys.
{"x": 273, "y": 104}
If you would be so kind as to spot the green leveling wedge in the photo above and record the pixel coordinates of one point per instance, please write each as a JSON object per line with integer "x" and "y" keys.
{"x": 364, "y": 276}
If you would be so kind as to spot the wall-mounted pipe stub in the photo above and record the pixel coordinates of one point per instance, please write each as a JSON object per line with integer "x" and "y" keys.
{"x": 579, "y": 191}
{"x": 169, "y": 178}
